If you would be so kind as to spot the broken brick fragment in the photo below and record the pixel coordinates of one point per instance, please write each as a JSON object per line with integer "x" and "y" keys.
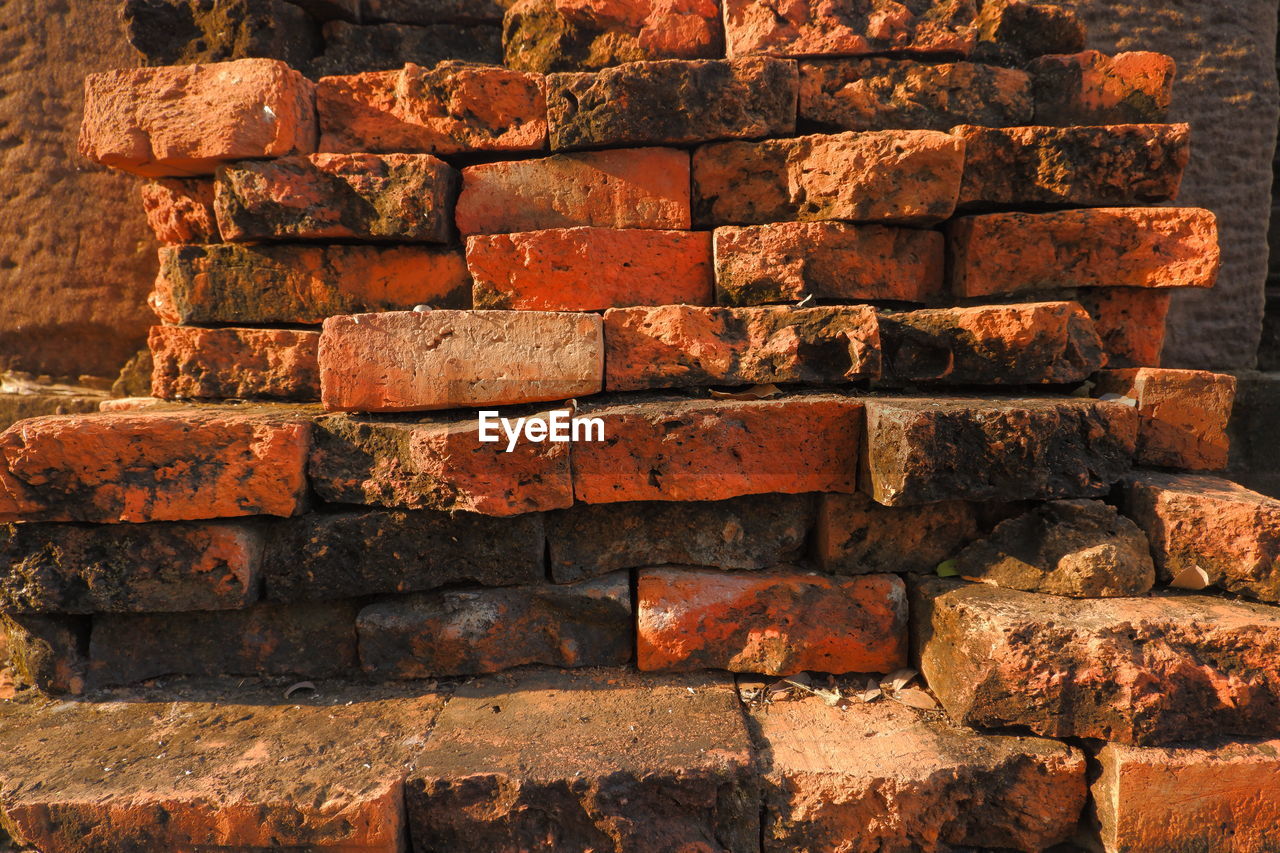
{"x": 278, "y": 364}
{"x": 1091, "y": 88}
{"x": 1183, "y": 414}
{"x": 180, "y": 210}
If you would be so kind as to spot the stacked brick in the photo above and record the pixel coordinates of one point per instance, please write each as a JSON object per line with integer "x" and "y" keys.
{"x": 688, "y": 346}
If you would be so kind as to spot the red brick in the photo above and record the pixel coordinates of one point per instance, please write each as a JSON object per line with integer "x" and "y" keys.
{"x": 779, "y": 622}
{"x": 1130, "y": 321}
{"x": 153, "y": 466}
{"x": 910, "y": 177}
{"x": 857, "y": 536}
{"x": 185, "y": 120}
{"x": 590, "y": 269}
{"x": 234, "y": 363}
{"x": 181, "y": 210}
{"x": 404, "y": 198}
{"x": 703, "y": 450}
{"x": 437, "y": 463}
{"x": 815, "y": 28}
{"x": 474, "y": 631}
{"x": 1182, "y": 414}
{"x": 637, "y": 188}
{"x": 453, "y": 108}
{"x": 677, "y": 346}
{"x": 1088, "y": 166}
{"x": 289, "y": 283}
{"x": 672, "y": 102}
{"x": 1108, "y": 247}
{"x": 407, "y": 361}
{"x": 788, "y": 261}
{"x": 1092, "y": 88}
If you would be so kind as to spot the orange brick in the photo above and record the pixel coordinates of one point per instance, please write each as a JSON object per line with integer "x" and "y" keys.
{"x": 857, "y": 536}
{"x": 1091, "y": 88}
{"x": 816, "y": 28}
{"x": 234, "y": 363}
{"x": 779, "y": 622}
{"x": 181, "y": 210}
{"x": 590, "y": 269}
{"x": 1182, "y": 414}
{"x": 1130, "y": 321}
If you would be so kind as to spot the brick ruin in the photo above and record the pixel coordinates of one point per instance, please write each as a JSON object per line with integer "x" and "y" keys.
{"x": 895, "y": 534}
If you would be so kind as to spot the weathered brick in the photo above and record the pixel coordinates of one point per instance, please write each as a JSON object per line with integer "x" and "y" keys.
{"x": 675, "y": 346}
{"x": 1092, "y": 88}
{"x": 778, "y": 622}
{"x": 749, "y": 532}
{"x": 789, "y": 261}
{"x": 309, "y": 640}
{"x": 1106, "y": 247}
{"x": 672, "y": 102}
{"x": 243, "y": 363}
{"x": 1220, "y": 795}
{"x": 71, "y": 568}
{"x": 431, "y": 11}
{"x": 185, "y": 120}
{"x": 951, "y": 787}
{"x": 640, "y": 188}
{"x": 1109, "y": 165}
{"x": 890, "y": 94}
{"x": 703, "y": 450}
{"x": 453, "y": 108}
{"x": 303, "y": 284}
{"x": 213, "y": 767}
{"x": 1182, "y": 414}
{"x": 1029, "y": 344}
{"x": 437, "y": 463}
{"x": 907, "y": 176}
{"x": 857, "y": 536}
{"x": 473, "y": 631}
{"x": 583, "y": 35}
{"x": 921, "y": 450}
{"x": 153, "y": 466}
{"x": 421, "y": 361}
{"x": 332, "y": 555}
{"x": 186, "y": 32}
{"x": 405, "y": 198}
{"x": 1130, "y": 321}
{"x": 180, "y": 210}
{"x": 45, "y": 651}
{"x": 1013, "y": 32}
{"x": 1148, "y": 671}
{"x": 360, "y": 48}
{"x": 587, "y": 759}
{"x": 590, "y": 269}
{"x": 1226, "y": 531}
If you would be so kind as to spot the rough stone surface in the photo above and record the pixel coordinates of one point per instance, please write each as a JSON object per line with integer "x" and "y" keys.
{"x": 749, "y": 532}
{"x": 211, "y": 766}
{"x": 437, "y": 463}
{"x": 857, "y": 536}
{"x": 1091, "y": 88}
{"x": 183, "y": 32}
{"x": 153, "y": 466}
{"x": 65, "y": 568}
{"x": 887, "y": 94}
{"x": 363, "y": 48}
{"x": 639, "y": 188}
{"x": 789, "y": 261}
{"x": 1013, "y": 32}
{"x": 413, "y": 361}
{"x": 1130, "y": 321}
{"x": 1103, "y": 166}
{"x": 779, "y": 622}
{"x": 1183, "y": 414}
{"x": 1216, "y": 796}
{"x": 449, "y": 109}
{"x": 1078, "y": 548}
{"x": 1105, "y": 247}
{"x": 672, "y": 102}
{"x": 580, "y": 35}
{"x": 677, "y": 449}
{"x": 682, "y": 346}
{"x": 921, "y": 450}
{"x": 815, "y": 28}
{"x": 590, "y": 269}
{"x": 1030, "y": 344}
{"x": 185, "y": 120}
{"x": 304, "y": 284}
{"x": 405, "y": 198}
{"x": 307, "y": 640}
{"x": 473, "y": 631}
{"x": 180, "y": 210}
{"x": 1147, "y": 671}
{"x": 17, "y": 407}
{"x": 1230, "y": 533}
{"x": 907, "y": 176}
{"x": 234, "y": 363}
{"x": 45, "y": 651}
{"x": 596, "y": 759}
{"x": 881, "y": 776}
